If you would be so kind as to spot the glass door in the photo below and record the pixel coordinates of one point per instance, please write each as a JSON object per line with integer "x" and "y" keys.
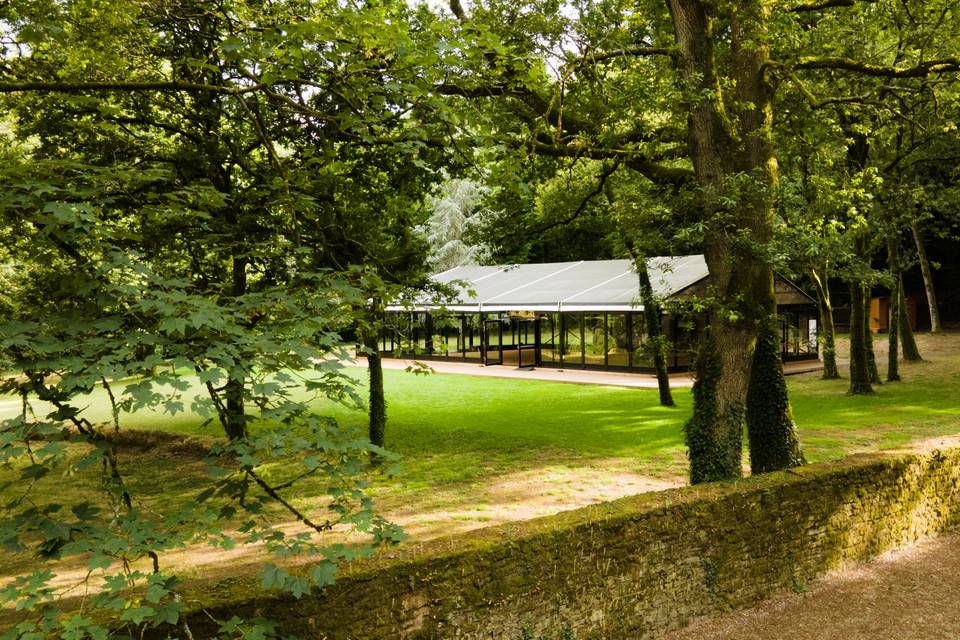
{"x": 492, "y": 342}
{"x": 528, "y": 343}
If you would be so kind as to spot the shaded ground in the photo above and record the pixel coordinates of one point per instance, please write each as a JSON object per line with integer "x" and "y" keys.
{"x": 911, "y": 593}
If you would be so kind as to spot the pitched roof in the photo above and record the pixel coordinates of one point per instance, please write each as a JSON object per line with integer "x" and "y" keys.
{"x": 587, "y": 285}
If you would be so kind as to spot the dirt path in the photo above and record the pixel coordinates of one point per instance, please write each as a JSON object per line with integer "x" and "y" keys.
{"x": 908, "y": 594}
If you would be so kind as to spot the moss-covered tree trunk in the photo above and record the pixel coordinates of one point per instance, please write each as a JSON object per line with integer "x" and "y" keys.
{"x": 828, "y": 334}
{"x": 655, "y": 337}
{"x": 859, "y": 367}
{"x": 908, "y": 341}
{"x": 774, "y": 442}
{"x": 714, "y": 452}
{"x": 729, "y": 137}
{"x": 872, "y": 369}
{"x": 893, "y": 330}
{"x": 378, "y": 404}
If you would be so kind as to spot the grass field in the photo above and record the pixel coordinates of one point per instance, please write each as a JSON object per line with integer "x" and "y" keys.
{"x": 479, "y": 451}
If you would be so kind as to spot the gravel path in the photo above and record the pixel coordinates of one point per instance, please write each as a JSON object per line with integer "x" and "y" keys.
{"x": 909, "y": 594}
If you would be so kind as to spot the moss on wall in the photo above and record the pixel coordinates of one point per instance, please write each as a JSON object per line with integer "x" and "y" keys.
{"x": 629, "y": 568}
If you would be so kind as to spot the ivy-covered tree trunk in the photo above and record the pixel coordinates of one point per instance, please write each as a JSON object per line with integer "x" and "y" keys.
{"x": 859, "y": 366}
{"x": 908, "y": 341}
{"x": 893, "y": 330}
{"x": 730, "y": 143}
{"x": 378, "y": 403}
{"x": 828, "y": 333}
{"x": 655, "y": 337}
{"x": 714, "y": 452}
{"x": 774, "y": 443}
{"x": 927, "y": 277}
{"x": 872, "y": 370}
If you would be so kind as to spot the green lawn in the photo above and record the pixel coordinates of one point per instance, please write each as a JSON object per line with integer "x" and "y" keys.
{"x": 452, "y": 428}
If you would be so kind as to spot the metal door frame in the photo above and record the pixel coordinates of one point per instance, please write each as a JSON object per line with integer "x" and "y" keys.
{"x": 485, "y": 342}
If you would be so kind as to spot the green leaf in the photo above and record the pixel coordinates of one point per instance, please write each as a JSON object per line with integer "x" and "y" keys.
{"x": 137, "y": 615}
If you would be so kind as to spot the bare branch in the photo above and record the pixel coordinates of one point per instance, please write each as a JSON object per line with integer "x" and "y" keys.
{"x": 299, "y": 515}
{"x": 458, "y": 11}
{"x": 597, "y": 190}
{"x": 626, "y": 52}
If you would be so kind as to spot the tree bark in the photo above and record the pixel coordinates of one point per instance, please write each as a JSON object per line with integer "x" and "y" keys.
{"x": 927, "y": 277}
{"x": 774, "y": 442}
{"x": 378, "y": 403}
{"x": 714, "y": 451}
{"x": 872, "y": 370}
{"x": 893, "y": 333}
{"x": 907, "y": 340}
{"x": 828, "y": 333}
{"x": 236, "y": 418}
{"x": 859, "y": 369}
{"x": 655, "y": 338}
{"x": 724, "y": 144}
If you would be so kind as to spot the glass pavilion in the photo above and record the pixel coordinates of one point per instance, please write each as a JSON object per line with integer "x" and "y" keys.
{"x": 584, "y": 314}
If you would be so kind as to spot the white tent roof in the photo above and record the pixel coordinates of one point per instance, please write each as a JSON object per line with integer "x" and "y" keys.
{"x": 587, "y": 285}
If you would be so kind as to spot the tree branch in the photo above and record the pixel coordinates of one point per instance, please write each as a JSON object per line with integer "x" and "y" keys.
{"x": 625, "y": 52}
{"x": 942, "y": 65}
{"x": 79, "y": 87}
{"x": 827, "y": 4}
{"x": 650, "y": 169}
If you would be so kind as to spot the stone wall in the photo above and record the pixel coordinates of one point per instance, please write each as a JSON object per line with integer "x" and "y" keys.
{"x": 633, "y": 567}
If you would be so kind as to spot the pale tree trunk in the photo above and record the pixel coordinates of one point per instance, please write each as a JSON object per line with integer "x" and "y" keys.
{"x": 828, "y": 333}
{"x": 893, "y": 333}
{"x": 723, "y": 145}
{"x": 655, "y": 338}
{"x": 656, "y": 341}
{"x": 927, "y": 277}
{"x": 907, "y": 340}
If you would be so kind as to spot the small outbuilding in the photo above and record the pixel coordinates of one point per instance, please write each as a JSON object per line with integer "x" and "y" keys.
{"x": 585, "y": 314}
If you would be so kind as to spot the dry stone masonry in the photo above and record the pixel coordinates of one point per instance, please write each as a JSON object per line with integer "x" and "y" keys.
{"x": 634, "y": 567}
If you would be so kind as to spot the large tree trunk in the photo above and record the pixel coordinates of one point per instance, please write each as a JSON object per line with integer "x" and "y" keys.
{"x": 893, "y": 333}
{"x": 927, "y": 277}
{"x": 859, "y": 368}
{"x": 723, "y": 145}
{"x": 828, "y": 333}
{"x": 655, "y": 338}
{"x": 872, "y": 370}
{"x": 911, "y": 351}
{"x": 235, "y": 423}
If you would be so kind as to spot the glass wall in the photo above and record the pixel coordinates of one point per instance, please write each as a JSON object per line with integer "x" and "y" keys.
{"x": 639, "y": 356}
{"x": 572, "y": 339}
{"x": 549, "y": 339}
{"x": 594, "y": 339}
{"x": 614, "y": 340}
{"x": 618, "y": 340}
